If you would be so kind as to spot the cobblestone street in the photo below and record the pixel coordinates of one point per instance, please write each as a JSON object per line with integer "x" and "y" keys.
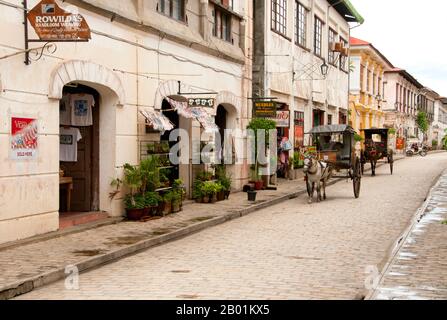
{"x": 419, "y": 268}
{"x": 289, "y": 251}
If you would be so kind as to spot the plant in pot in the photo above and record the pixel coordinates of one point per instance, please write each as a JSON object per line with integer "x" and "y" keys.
{"x": 260, "y": 125}
{"x": 165, "y": 147}
{"x": 167, "y": 203}
{"x": 134, "y": 201}
{"x": 151, "y": 148}
{"x": 225, "y": 181}
{"x": 179, "y": 187}
{"x": 135, "y": 207}
{"x": 152, "y": 201}
{"x": 208, "y": 191}
{"x": 197, "y": 191}
{"x": 150, "y": 174}
{"x": 220, "y": 193}
{"x": 252, "y": 195}
{"x": 176, "y": 201}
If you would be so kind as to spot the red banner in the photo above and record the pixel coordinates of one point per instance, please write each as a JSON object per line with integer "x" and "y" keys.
{"x": 400, "y": 143}
{"x": 24, "y": 138}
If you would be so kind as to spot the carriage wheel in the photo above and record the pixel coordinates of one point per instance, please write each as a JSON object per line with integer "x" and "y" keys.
{"x": 357, "y": 181}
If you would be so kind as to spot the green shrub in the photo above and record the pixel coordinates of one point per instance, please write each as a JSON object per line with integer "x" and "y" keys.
{"x": 134, "y": 202}
{"x": 152, "y": 199}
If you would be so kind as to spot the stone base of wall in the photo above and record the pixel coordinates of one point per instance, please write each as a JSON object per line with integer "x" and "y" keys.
{"x": 22, "y": 228}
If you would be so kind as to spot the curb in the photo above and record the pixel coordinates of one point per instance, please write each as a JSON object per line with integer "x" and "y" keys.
{"x": 392, "y": 254}
{"x": 27, "y": 285}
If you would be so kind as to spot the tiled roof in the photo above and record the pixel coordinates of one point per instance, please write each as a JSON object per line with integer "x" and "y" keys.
{"x": 358, "y": 42}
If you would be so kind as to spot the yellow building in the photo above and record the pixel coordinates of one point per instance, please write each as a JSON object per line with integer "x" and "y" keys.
{"x": 367, "y": 85}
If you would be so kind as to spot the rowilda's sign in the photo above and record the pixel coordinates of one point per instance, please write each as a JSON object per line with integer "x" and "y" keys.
{"x": 51, "y": 22}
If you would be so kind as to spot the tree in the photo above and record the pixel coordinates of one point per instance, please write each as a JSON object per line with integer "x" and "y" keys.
{"x": 444, "y": 140}
{"x": 422, "y": 122}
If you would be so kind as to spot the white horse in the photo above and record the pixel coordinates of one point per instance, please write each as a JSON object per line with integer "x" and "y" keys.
{"x": 317, "y": 174}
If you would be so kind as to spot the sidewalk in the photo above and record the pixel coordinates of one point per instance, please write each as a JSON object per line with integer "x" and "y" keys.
{"x": 418, "y": 269}
{"x": 34, "y": 263}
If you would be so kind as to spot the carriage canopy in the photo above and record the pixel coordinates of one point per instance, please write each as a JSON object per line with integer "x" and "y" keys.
{"x": 339, "y": 128}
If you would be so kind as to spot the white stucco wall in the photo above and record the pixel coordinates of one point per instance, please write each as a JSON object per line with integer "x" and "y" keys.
{"x": 29, "y": 191}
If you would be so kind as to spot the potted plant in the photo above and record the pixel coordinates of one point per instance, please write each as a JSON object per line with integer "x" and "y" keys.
{"x": 266, "y": 125}
{"x": 179, "y": 187}
{"x": 252, "y": 195}
{"x": 151, "y": 148}
{"x": 220, "y": 193}
{"x": 134, "y": 201}
{"x": 208, "y": 191}
{"x": 152, "y": 201}
{"x": 176, "y": 201}
{"x": 165, "y": 147}
{"x": 167, "y": 203}
{"x": 197, "y": 191}
{"x": 135, "y": 207}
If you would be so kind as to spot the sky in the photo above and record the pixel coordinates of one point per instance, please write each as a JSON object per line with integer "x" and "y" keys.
{"x": 411, "y": 34}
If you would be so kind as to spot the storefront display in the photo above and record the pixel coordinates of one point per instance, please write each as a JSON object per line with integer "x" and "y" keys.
{"x": 69, "y": 138}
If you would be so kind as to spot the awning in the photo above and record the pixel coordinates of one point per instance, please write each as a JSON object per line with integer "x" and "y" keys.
{"x": 200, "y": 114}
{"x": 158, "y": 121}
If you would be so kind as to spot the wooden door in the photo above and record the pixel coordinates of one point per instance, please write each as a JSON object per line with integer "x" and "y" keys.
{"x": 81, "y": 172}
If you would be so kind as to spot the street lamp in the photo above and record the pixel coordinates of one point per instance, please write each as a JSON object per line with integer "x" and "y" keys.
{"x": 324, "y": 69}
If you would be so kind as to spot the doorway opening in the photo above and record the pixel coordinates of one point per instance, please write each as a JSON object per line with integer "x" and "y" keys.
{"x": 79, "y": 156}
{"x": 169, "y": 172}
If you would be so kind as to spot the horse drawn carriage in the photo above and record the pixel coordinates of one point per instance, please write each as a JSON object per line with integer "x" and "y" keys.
{"x": 376, "y": 148}
{"x": 335, "y": 146}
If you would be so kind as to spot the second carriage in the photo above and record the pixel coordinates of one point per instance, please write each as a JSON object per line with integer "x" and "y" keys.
{"x": 376, "y": 148}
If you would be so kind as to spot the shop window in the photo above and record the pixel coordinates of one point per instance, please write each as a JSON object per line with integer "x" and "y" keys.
{"x": 172, "y": 8}
{"x": 222, "y": 25}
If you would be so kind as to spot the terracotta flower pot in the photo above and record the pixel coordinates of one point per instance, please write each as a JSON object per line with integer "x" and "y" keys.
{"x": 135, "y": 214}
{"x": 259, "y": 185}
{"x": 167, "y": 209}
{"x": 175, "y": 207}
{"x": 221, "y": 196}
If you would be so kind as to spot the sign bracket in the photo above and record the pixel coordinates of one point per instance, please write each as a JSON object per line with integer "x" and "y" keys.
{"x": 49, "y": 45}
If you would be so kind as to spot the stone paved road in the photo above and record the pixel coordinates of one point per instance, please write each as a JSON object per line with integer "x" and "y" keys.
{"x": 419, "y": 268}
{"x": 290, "y": 251}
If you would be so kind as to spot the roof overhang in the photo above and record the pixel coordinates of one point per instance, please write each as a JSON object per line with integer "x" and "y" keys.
{"x": 346, "y": 9}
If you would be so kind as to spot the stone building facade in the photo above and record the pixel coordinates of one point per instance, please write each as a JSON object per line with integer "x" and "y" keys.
{"x": 295, "y": 63}
{"x": 367, "y": 85}
{"x": 141, "y": 53}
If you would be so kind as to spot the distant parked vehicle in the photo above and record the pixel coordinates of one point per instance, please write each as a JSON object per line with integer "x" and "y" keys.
{"x": 416, "y": 149}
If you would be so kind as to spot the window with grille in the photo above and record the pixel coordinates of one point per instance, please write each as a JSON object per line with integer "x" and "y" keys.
{"x": 301, "y": 24}
{"x": 332, "y": 40}
{"x": 222, "y": 24}
{"x": 172, "y": 8}
{"x": 279, "y": 16}
{"x": 318, "y": 36}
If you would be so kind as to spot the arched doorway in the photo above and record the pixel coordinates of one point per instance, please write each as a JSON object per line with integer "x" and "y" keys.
{"x": 100, "y": 137}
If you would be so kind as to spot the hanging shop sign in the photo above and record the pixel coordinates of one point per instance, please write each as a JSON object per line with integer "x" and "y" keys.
{"x": 283, "y": 119}
{"x": 24, "y": 138}
{"x": 265, "y": 109}
{"x": 51, "y": 23}
{"x": 202, "y": 103}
